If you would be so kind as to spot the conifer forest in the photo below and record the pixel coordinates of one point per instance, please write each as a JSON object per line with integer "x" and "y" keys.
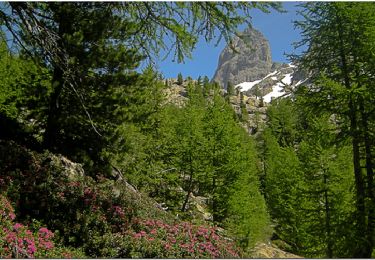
{"x": 101, "y": 156}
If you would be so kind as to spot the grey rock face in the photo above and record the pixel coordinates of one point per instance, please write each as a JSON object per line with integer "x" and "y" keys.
{"x": 253, "y": 60}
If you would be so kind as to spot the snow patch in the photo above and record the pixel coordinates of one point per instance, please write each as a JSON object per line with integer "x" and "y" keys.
{"x": 300, "y": 82}
{"x": 287, "y": 79}
{"x": 274, "y": 78}
{"x": 278, "y": 90}
{"x": 271, "y": 74}
{"x": 245, "y": 86}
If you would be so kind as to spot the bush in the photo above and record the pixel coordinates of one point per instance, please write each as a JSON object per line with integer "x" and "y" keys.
{"x": 104, "y": 218}
{"x": 154, "y": 238}
{"x": 19, "y": 241}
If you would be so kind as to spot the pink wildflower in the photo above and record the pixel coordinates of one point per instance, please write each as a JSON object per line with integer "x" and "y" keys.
{"x": 61, "y": 195}
{"x": 10, "y": 237}
{"x": 11, "y": 215}
{"x": 31, "y": 249}
{"x": 47, "y": 245}
{"x": 45, "y": 233}
{"x": 118, "y": 211}
{"x": 17, "y": 226}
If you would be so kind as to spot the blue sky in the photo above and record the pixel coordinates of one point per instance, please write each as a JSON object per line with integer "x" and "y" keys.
{"x": 277, "y": 27}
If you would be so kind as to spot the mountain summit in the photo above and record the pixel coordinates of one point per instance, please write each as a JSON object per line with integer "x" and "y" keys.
{"x": 251, "y": 69}
{"x": 250, "y": 61}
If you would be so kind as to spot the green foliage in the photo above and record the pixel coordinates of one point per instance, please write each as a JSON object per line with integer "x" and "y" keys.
{"x": 147, "y": 24}
{"x": 180, "y": 79}
{"x": 248, "y": 218}
{"x": 23, "y": 87}
{"x": 283, "y": 180}
{"x": 308, "y": 182}
{"x": 82, "y": 97}
{"x": 282, "y": 119}
{"x": 218, "y": 161}
{"x": 340, "y": 60}
{"x": 230, "y": 89}
{"x": 103, "y": 218}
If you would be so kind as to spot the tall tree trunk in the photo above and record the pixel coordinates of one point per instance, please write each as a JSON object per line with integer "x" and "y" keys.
{"x": 54, "y": 112}
{"x": 190, "y": 184}
{"x": 370, "y": 179}
{"x": 362, "y": 249}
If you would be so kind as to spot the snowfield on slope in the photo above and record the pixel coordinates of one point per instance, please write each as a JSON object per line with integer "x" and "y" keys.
{"x": 245, "y": 86}
{"x": 278, "y": 90}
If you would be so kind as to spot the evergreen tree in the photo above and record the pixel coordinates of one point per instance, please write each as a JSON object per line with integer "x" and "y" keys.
{"x": 180, "y": 79}
{"x": 247, "y": 216}
{"x": 199, "y": 81}
{"x": 24, "y": 87}
{"x": 283, "y": 180}
{"x": 330, "y": 205}
{"x": 230, "y": 89}
{"x": 340, "y": 36}
{"x": 148, "y": 24}
{"x": 300, "y": 180}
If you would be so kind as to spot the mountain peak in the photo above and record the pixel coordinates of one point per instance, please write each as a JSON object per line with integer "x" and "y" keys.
{"x": 250, "y": 61}
{"x": 250, "y": 68}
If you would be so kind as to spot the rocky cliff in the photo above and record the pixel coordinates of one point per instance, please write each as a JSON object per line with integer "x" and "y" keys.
{"x": 250, "y": 68}
{"x": 248, "y": 59}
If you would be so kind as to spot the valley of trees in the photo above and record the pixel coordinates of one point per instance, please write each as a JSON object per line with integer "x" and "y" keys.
{"x": 97, "y": 161}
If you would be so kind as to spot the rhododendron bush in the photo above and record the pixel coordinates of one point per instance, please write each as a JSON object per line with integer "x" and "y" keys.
{"x": 151, "y": 238}
{"x": 18, "y": 241}
{"x": 101, "y": 217}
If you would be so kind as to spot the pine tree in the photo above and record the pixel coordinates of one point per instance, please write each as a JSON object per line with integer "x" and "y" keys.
{"x": 199, "y": 81}
{"x": 247, "y": 216}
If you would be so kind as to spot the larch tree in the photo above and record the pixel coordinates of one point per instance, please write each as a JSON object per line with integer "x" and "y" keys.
{"x": 339, "y": 58}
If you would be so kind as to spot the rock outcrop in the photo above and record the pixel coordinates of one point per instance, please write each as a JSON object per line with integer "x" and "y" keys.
{"x": 250, "y": 60}
{"x": 263, "y": 250}
{"x": 251, "y": 70}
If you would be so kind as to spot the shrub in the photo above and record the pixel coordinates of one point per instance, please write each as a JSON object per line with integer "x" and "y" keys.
{"x": 150, "y": 238}
{"x": 102, "y": 217}
{"x": 19, "y": 241}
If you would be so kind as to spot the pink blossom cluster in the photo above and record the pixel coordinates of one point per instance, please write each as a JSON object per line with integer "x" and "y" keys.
{"x": 17, "y": 240}
{"x": 185, "y": 240}
{"x": 44, "y": 238}
{"x": 118, "y": 211}
{"x": 74, "y": 184}
{"x": 20, "y": 240}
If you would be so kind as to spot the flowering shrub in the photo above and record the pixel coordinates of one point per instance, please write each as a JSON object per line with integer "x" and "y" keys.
{"x": 18, "y": 241}
{"x": 102, "y": 217}
{"x": 152, "y": 238}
